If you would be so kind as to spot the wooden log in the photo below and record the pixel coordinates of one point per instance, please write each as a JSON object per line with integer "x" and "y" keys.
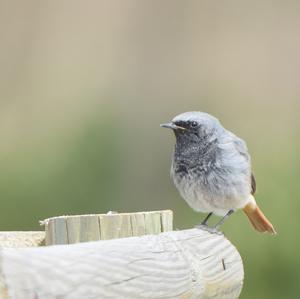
{"x": 83, "y": 228}
{"x": 3, "y": 289}
{"x": 16, "y": 240}
{"x": 22, "y": 239}
{"x": 177, "y": 264}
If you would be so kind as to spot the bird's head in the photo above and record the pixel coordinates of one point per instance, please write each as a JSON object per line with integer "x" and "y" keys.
{"x": 193, "y": 126}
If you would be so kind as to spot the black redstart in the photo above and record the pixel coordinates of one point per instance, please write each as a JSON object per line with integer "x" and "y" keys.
{"x": 211, "y": 169}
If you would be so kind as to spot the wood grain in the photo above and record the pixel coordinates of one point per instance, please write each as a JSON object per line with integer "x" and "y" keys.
{"x": 83, "y": 228}
{"x": 22, "y": 239}
{"x": 177, "y": 264}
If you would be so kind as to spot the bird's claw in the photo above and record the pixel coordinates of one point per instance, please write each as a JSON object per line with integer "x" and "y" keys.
{"x": 212, "y": 230}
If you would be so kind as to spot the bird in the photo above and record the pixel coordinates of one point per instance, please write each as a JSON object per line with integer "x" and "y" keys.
{"x": 211, "y": 168}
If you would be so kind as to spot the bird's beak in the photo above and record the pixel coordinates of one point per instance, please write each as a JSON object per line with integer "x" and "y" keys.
{"x": 172, "y": 126}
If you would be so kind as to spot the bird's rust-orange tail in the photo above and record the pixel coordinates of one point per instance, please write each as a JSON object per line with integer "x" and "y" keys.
{"x": 258, "y": 219}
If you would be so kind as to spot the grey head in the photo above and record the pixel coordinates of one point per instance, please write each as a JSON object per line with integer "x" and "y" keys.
{"x": 197, "y": 136}
{"x": 195, "y": 128}
{"x": 196, "y": 150}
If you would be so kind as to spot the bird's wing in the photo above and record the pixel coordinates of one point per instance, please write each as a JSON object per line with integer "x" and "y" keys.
{"x": 253, "y": 184}
{"x": 241, "y": 146}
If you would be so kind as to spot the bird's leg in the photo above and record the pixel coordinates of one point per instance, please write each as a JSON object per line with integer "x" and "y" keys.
{"x": 204, "y": 222}
{"x": 214, "y": 229}
{"x": 217, "y": 226}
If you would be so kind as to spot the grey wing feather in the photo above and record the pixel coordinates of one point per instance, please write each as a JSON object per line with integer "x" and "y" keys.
{"x": 253, "y": 184}
{"x": 241, "y": 147}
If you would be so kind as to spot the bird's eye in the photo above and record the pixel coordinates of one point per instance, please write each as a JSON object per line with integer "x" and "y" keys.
{"x": 194, "y": 124}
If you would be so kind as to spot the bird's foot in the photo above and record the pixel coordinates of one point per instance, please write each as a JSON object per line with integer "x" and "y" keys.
{"x": 212, "y": 230}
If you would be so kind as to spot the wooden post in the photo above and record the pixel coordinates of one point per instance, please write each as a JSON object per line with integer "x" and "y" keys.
{"x": 178, "y": 264}
{"x": 22, "y": 239}
{"x": 84, "y": 228}
{"x": 17, "y": 240}
{"x": 174, "y": 264}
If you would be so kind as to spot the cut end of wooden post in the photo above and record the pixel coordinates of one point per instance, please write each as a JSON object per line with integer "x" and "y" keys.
{"x": 84, "y": 228}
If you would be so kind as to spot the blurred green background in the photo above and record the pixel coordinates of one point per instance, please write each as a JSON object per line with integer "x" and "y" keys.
{"x": 85, "y": 85}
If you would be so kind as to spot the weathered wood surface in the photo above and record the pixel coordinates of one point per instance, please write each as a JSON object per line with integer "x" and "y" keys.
{"x": 21, "y": 239}
{"x": 178, "y": 264}
{"x": 83, "y": 228}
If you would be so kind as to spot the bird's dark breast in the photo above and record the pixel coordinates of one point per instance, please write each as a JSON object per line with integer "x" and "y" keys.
{"x": 194, "y": 166}
{"x": 199, "y": 158}
{"x": 182, "y": 168}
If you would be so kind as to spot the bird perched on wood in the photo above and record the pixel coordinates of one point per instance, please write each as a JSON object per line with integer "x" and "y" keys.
{"x": 211, "y": 169}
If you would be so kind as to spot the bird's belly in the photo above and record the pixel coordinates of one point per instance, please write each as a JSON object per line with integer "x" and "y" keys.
{"x": 212, "y": 195}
